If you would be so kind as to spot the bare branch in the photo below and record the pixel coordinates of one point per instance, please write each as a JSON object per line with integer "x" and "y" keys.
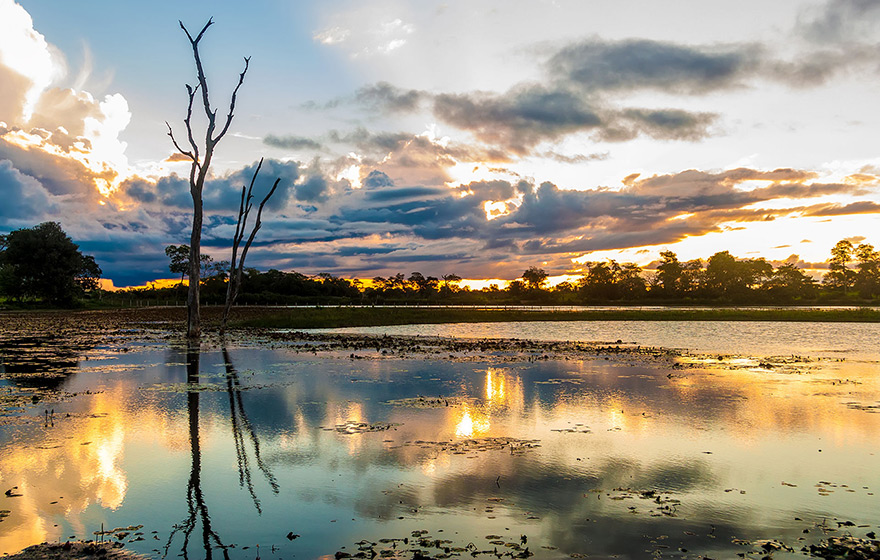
{"x": 203, "y": 82}
{"x": 176, "y": 145}
{"x": 247, "y": 61}
{"x": 259, "y": 222}
{"x": 191, "y": 92}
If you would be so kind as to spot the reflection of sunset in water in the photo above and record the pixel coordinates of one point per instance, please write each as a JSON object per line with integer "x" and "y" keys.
{"x": 472, "y": 422}
{"x": 598, "y": 423}
{"x": 74, "y": 465}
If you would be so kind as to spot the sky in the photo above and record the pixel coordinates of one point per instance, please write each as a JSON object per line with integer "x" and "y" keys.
{"x": 477, "y": 137}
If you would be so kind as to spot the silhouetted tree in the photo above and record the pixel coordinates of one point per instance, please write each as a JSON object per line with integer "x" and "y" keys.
{"x": 450, "y": 282}
{"x": 731, "y": 279}
{"x": 425, "y": 286}
{"x": 669, "y": 274}
{"x": 789, "y": 283}
{"x": 201, "y": 157}
{"x": 840, "y": 277}
{"x": 609, "y": 281}
{"x": 867, "y": 274}
{"x": 179, "y": 256}
{"x": 42, "y": 262}
{"x": 534, "y": 277}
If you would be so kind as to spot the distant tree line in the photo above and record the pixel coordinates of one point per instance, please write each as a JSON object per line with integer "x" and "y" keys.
{"x": 853, "y": 276}
{"x": 43, "y": 265}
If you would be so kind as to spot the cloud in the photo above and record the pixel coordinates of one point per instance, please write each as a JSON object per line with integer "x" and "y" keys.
{"x": 177, "y": 157}
{"x": 332, "y": 36}
{"x": 861, "y": 207}
{"x": 637, "y": 64}
{"x": 292, "y": 142}
{"x": 840, "y": 21}
{"x": 315, "y": 187}
{"x": 661, "y": 124}
{"x": 28, "y": 64}
{"x": 384, "y": 97}
{"x": 48, "y": 127}
{"x": 524, "y": 117}
{"x": 378, "y": 228}
{"x": 519, "y": 119}
{"x": 25, "y": 201}
{"x": 363, "y": 35}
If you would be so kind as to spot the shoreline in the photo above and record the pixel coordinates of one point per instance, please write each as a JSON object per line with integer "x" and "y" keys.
{"x": 258, "y": 318}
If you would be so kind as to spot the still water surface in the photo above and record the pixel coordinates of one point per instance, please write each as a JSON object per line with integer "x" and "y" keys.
{"x": 218, "y": 451}
{"x": 752, "y": 338}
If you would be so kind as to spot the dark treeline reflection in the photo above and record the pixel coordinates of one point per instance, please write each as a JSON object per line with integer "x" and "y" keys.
{"x": 242, "y": 433}
{"x": 42, "y": 361}
{"x": 853, "y": 275}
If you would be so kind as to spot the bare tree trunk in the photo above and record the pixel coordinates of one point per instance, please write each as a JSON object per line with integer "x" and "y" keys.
{"x": 199, "y": 171}
{"x": 236, "y": 265}
{"x": 193, "y": 310}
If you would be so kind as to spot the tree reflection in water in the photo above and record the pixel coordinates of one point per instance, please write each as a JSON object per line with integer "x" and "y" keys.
{"x": 241, "y": 423}
{"x": 195, "y": 499}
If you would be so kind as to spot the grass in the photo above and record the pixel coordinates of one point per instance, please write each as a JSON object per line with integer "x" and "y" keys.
{"x": 333, "y": 317}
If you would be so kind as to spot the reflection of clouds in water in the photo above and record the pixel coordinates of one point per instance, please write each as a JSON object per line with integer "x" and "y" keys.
{"x": 637, "y": 428}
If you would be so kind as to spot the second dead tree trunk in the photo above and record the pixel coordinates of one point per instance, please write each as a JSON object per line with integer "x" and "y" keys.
{"x": 236, "y": 264}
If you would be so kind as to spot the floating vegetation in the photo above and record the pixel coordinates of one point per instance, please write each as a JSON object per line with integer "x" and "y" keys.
{"x": 666, "y": 505}
{"x": 465, "y": 446}
{"x": 576, "y": 429}
{"x": 15, "y": 400}
{"x": 873, "y": 408}
{"x": 431, "y": 402}
{"x": 420, "y": 545}
{"x": 110, "y": 550}
{"x": 206, "y": 387}
{"x": 846, "y": 547}
{"x": 352, "y": 427}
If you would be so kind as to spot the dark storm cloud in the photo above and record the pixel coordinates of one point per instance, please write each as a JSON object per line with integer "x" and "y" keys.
{"x": 637, "y": 64}
{"x": 406, "y": 193}
{"x": 224, "y": 193}
{"x": 314, "y": 189}
{"x": 128, "y": 257}
{"x": 292, "y": 142}
{"x": 170, "y": 192}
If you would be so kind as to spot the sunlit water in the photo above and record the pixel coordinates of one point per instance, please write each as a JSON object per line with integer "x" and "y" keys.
{"x": 608, "y": 458}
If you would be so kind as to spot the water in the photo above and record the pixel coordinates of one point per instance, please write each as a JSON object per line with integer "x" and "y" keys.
{"x": 752, "y": 338}
{"x": 622, "y": 457}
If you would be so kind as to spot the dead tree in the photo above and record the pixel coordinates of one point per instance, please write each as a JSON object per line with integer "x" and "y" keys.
{"x": 201, "y": 163}
{"x": 236, "y": 264}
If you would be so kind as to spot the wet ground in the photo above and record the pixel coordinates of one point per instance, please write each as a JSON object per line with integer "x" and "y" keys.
{"x": 283, "y": 445}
